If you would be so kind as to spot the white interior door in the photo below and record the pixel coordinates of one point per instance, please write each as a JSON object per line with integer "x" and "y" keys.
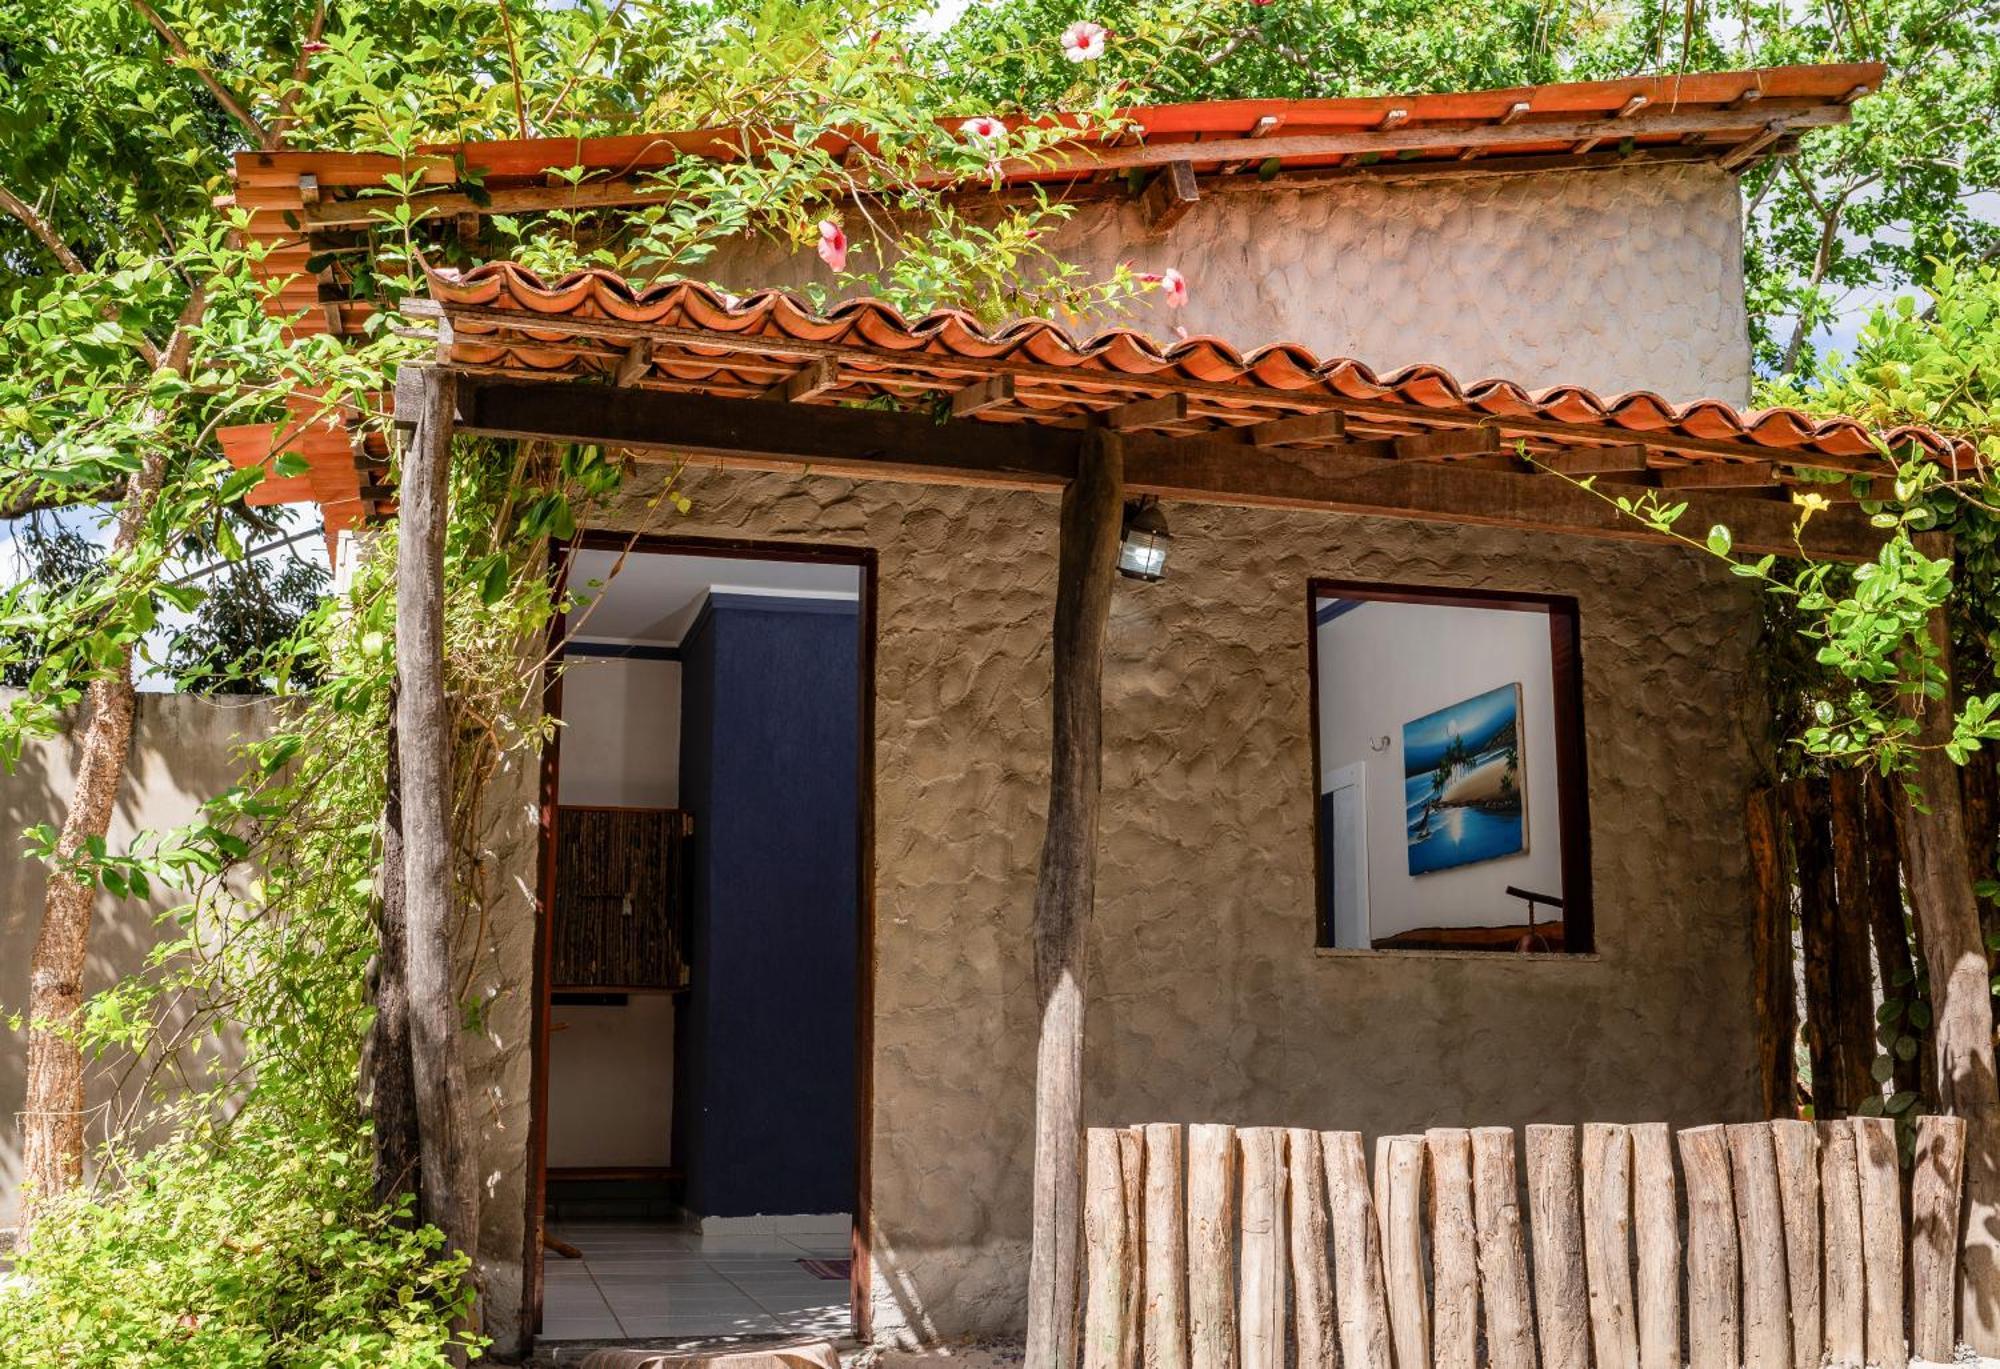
{"x": 1347, "y": 789}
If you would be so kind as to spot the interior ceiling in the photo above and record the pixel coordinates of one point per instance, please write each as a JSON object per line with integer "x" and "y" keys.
{"x": 653, "y": 597}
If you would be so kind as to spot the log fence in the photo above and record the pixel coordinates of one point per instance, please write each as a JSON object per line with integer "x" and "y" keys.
{"x": 1771, "y": 1245}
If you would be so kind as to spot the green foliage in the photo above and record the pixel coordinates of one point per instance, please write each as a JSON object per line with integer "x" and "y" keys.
{"x": 255, "y": 1246}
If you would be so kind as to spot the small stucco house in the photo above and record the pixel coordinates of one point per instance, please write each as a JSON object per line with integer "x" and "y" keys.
{"x": 1423, "y": 768}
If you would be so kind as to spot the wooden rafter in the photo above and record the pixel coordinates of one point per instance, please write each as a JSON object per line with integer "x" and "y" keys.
{"x": 1207, "y": 468}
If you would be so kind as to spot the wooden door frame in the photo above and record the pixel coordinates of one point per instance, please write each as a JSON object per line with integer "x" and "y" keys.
{"x": 660, "y": 544}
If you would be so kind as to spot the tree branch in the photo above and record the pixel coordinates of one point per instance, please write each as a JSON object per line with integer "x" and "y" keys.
{"x": 223, "y": 95}
{"x": 282, "y": 124}
{"x": 39, "y": 226}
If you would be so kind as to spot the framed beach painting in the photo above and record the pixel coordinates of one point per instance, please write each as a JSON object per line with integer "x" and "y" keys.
{"x": 1464, "y": 782}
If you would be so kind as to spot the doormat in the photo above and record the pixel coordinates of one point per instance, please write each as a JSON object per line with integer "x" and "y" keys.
{"x": 829, "y": 1269}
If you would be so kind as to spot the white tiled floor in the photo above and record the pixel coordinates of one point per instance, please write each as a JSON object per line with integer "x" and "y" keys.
{"x": 640, "y": 1280}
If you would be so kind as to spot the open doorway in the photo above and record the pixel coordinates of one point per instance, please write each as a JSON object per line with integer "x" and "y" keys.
{"x": 700, "y": 1090}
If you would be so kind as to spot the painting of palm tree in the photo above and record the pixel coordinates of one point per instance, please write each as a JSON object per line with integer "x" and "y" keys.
{"x": 1464, "y": 787}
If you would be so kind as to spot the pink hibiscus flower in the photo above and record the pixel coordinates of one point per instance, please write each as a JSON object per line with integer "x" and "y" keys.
{"x": 832, "y": 245}
{"x": 1170, "y": 281}
{"x": 983, "y": 129}
{"x": 1084, "y": 41}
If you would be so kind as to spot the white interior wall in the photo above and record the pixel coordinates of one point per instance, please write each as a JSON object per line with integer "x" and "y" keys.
{"x": 621, "y": 742}
{"x": 611, "y": 1083}
{"x": 611, "y": 1069}
{"x": 1385, "y": 664}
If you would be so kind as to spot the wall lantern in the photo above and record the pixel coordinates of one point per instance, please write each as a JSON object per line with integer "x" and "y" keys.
{"x": 1142, "y": 545}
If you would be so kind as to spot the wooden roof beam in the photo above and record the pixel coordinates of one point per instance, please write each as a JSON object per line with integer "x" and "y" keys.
{"x": 1158, "y": 412}
{"x": 1582, "y": 461}
{"x": 638, "y": 359}
{"x": 1448, "y": 443}
{"x": 1085, "y": 160}
{"x": 1209, "y": 468}
{"x": 1330, "y": 426}
{"x": 1168, "y": 197}
{"x": 816, "y": 377}
{"x": 990, "y": 393}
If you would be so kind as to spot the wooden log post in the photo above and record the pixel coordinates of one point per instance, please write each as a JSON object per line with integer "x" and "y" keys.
{"x": 1132, "y": 1158}
{"x": 1854, "y": 986}
{"x": 1880, "y": 1182}
{"x": 1889, "y": 928}
{"x": 1656, "y": 1224}
{"x": 1108, "y": 1249}
{"x": 1555, "y": 1225}
{"x": 1771, "y": 954}
{"x": 1607, "y": 1243}
{"x": 1796, "y": 1147}
{"x": 1939, "y": 880}
{"x": 1360, "y": 1297}
{"x": 1454, "y": 1250}
{"x": 448, "y": 1169}
{"x": 1312, "y": 1273}
{"x": 1164, "y": 1325}
{"x": 386, "y": 1069}
{"x": 1840, "y": 1077}
{"x": 1403, "y": 1250}
{"x": 1211, "y": 1240}
{"x": 1934, "y": 1195}
{"x": 1712, "y": 1291}
{"x": 1503, "y": 1252}
{"x": 1260, "y": 1320}
{"x": 1066, "y": 888}
{"x": 1760, "y": 1234}
{"x": 1843, "y": 1305}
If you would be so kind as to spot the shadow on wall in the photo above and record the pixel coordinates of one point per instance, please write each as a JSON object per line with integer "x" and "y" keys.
{"x": 183, "y": 753}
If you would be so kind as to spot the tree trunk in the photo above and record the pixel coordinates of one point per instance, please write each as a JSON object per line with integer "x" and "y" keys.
{"x": 386, "y": 1066}
{"x": 52, "y": 1114}
{"x": 1939, "y": 879}
{"x": 449, "y": 1193}
{"x": 1889, "y": 929}
{"x": 1065, "y": 890}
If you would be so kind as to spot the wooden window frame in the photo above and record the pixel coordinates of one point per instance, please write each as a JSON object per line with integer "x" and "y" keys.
{"x": 1572, "y": 769}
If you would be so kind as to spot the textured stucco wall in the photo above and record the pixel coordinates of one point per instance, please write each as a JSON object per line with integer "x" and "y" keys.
{"x": 1207, "y": 998}
{"x": 1615, "y": 280}
{"x": 183, "y": 753}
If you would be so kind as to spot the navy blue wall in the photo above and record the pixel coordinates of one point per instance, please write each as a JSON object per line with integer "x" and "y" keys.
{"x": 764, "y": 1083}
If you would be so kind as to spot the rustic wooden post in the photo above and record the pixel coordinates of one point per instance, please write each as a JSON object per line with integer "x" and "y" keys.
{"x": 1360, "y": 1300}
{"x": 449, "y": 1176}
{"x": 1934, "y": 1193}
{"x": 1454, "y": 1250}
{"x": 1840, "y": 1073}
{"x": 1881, "y": 1185}
{"x": 1108, "y": 1250}
{"x": 1796, "y": 1146}
{"x": 1403, "y": 1250}
{"x": 1712, "y": 1295}
{"x": 1656, "y": 1221}
{"x": 1065, "y": 890}
{"x": 1607, "y": 1243}
{"x": 1760, "y": 1232}
{"x": 385, "y": 1056}
{"x": 1771, "y": 954}
{"x": 1260, "y": 1321}
{"x": 1555, "y": 1226}
{"x": 1889, "y": 928}
{"x": 1939, "y": 879}
{"x": 1163, "y": 1323}
{"x": 1312, "y": 1274}
{"x": 1503, "y": 1253}
{"x": 1132, "y": 1157}
{"x": 1211, "y": 1238}
{"x": 1843, "y": 1304}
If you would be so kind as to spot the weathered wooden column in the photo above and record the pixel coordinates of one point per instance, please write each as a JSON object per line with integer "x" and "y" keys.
{"x": 1939, "y": 880}
{"x": 448, "y": 1187}
{"x": 1086, "y": 564}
